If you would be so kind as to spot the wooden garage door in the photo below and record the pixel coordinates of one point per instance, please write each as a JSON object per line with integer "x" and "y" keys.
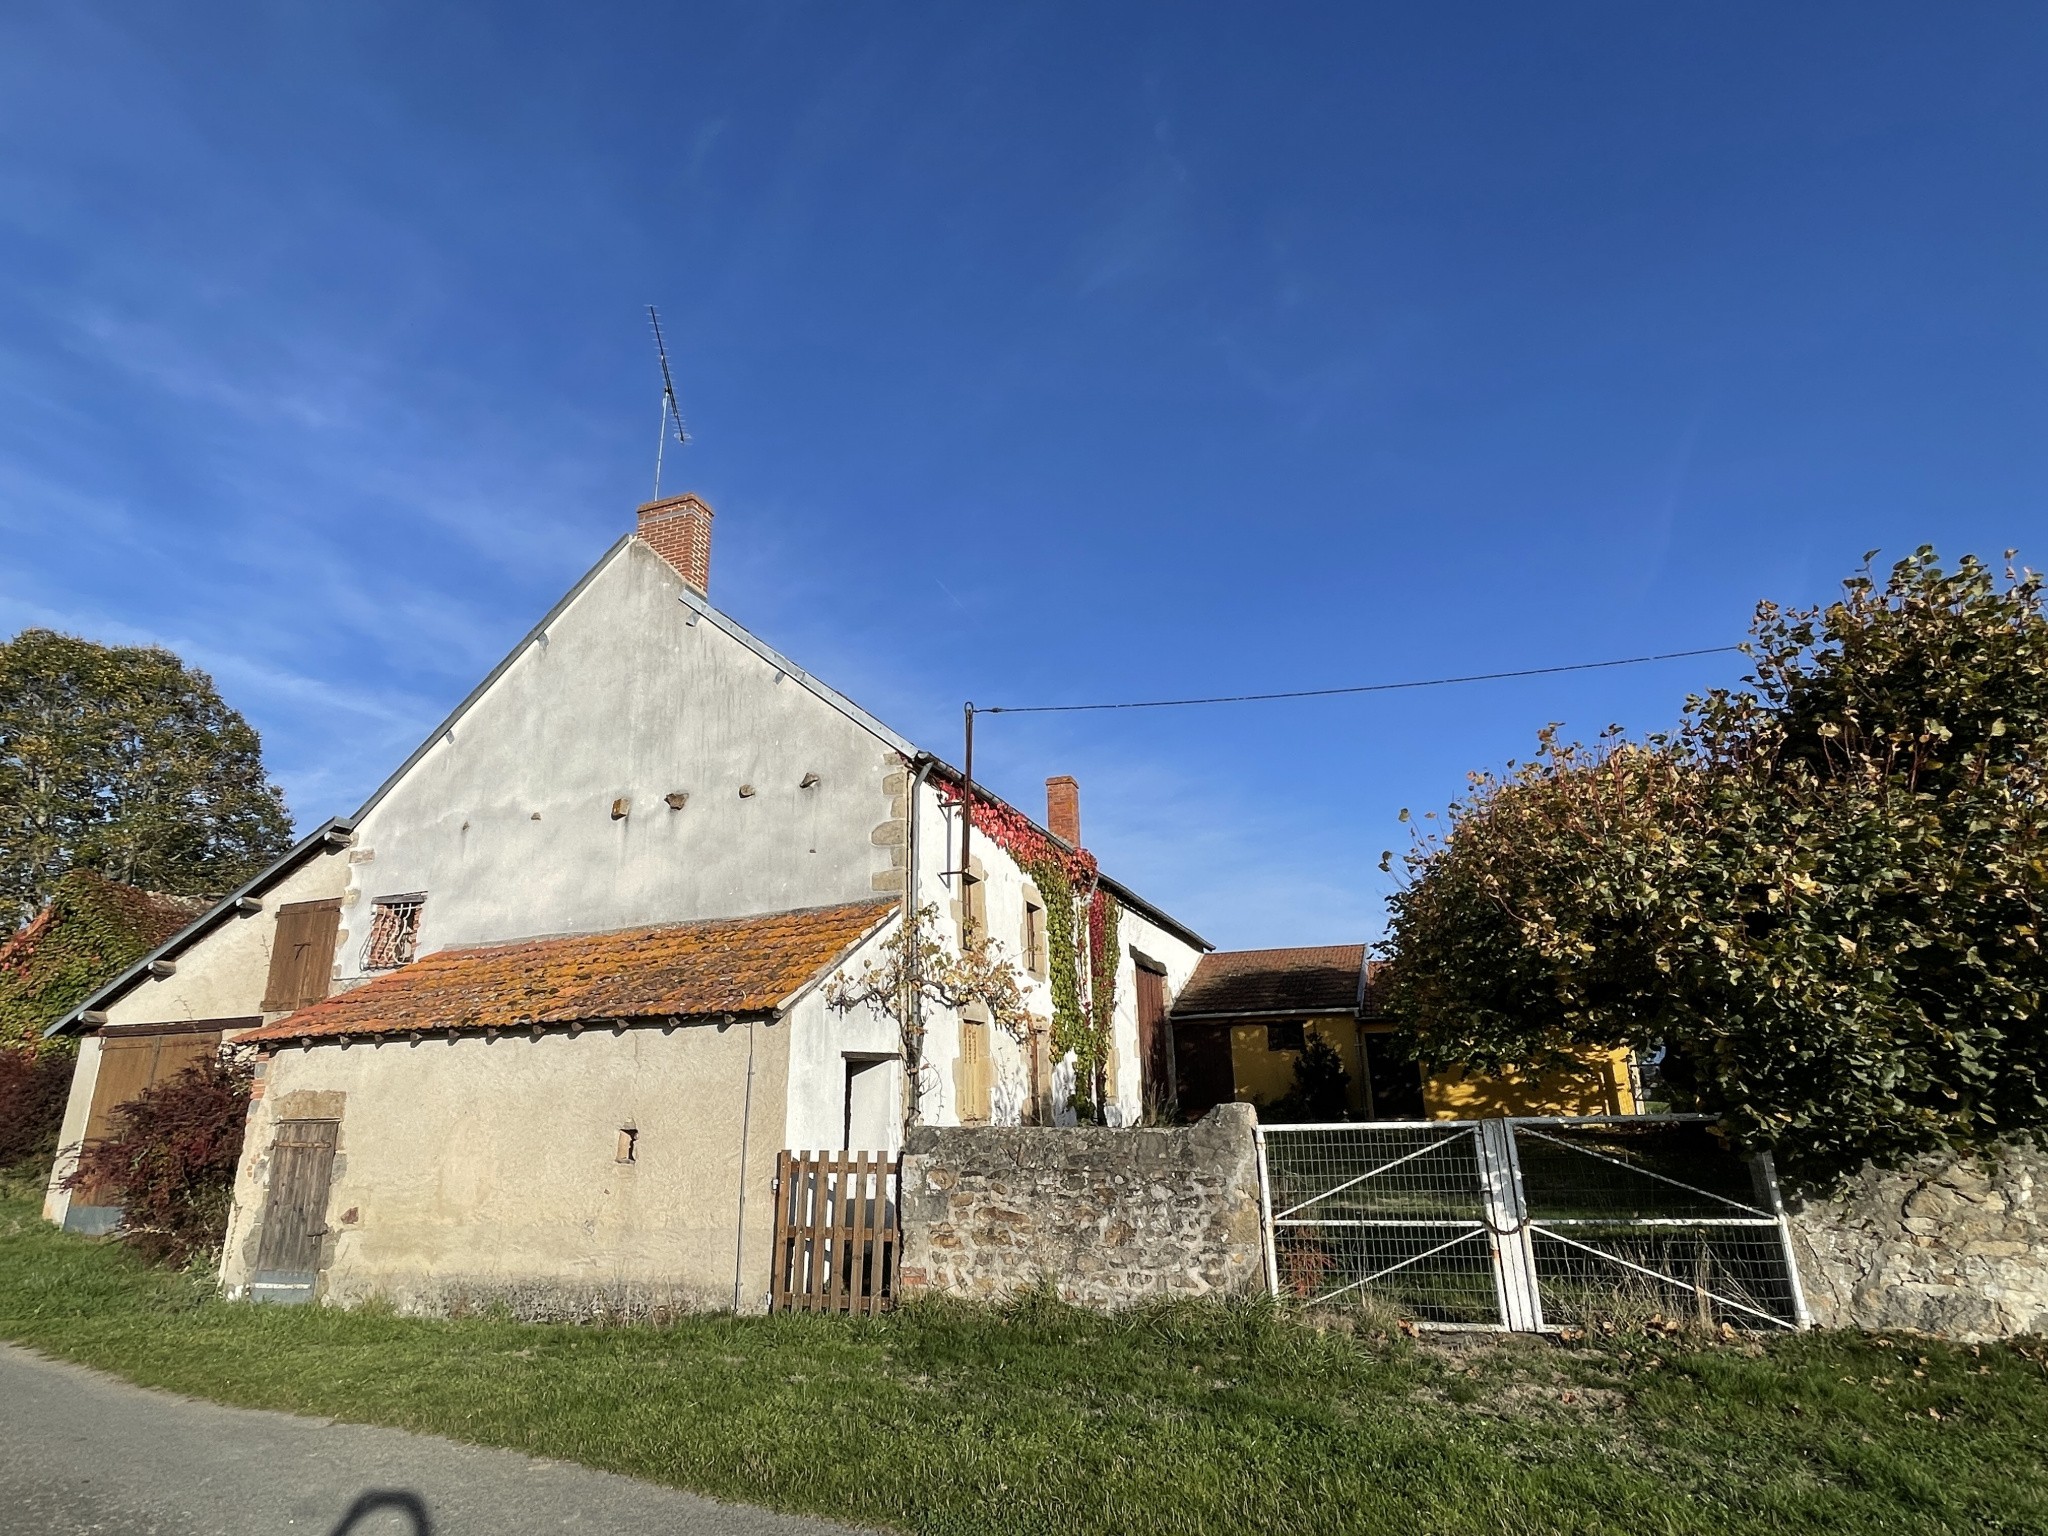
{"x": 128, "y": 1064}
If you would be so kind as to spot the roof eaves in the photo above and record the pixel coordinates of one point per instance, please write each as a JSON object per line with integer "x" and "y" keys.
{"x": 1311, "y": 1011}
{"x": 329, "y": 834}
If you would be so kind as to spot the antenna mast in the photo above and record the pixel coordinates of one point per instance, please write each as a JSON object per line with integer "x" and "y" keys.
{"x": 670, "y": 410}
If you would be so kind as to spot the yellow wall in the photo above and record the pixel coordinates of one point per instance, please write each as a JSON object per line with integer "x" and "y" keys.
{"x": 1599, "y": 1087}
{"x": 1263, "y": 1076}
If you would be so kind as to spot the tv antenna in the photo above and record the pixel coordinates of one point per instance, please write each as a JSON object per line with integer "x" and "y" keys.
{"x": 670, "y": 410}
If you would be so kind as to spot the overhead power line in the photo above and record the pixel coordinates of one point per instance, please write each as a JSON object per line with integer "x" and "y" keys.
{"x": 1325, "y": 693}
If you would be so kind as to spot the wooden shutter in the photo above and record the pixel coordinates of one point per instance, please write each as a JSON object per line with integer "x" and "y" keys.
{"x": 973, "y": 1076}
{"x": 301, "y": 954}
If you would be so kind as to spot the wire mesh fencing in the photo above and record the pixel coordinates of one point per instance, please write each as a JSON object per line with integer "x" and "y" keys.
{"x": 1391, "y": 1212}
{"x": 1528, "y": 1223}
{"x": 1652, "y": 1217}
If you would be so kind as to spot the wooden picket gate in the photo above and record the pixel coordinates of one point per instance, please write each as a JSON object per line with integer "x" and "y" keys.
{"x": 835, "y": 1232}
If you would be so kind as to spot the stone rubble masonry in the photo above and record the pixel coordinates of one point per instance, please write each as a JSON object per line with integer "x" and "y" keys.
{"x": 1107, "y": 1217}
{"x": 1955, "y": 1246}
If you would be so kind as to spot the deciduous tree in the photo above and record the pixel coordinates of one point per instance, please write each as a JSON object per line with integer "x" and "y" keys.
{"x": 1823, "y": 895}
{"x": 123, "y": 760}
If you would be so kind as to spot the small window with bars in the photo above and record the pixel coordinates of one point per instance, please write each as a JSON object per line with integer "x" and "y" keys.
{"x": 394, "y": 931}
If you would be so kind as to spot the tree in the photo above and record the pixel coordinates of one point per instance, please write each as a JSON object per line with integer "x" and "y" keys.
{"x": 122, "y": 759}
{"x": 1823, "y": 894}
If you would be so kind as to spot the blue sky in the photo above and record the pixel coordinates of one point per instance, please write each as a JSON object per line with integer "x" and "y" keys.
{"x": 1034, "y": 354}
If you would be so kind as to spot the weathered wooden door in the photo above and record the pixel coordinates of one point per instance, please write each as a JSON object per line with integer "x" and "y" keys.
{"x": 1155, "y": 1043}
{"x": 294, "y": 1211}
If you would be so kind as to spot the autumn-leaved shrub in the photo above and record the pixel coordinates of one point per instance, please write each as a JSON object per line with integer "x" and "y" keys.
{"x": 169, "y": 1162}
{"x": 33, "y": 1086}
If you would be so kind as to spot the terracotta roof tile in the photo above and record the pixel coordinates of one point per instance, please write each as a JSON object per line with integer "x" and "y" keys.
{"x": 1317, "y": 979}
{"x": 741, "y": 965}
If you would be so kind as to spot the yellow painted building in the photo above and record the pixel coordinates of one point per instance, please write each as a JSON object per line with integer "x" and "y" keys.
{"x": 1244, "y": 1019}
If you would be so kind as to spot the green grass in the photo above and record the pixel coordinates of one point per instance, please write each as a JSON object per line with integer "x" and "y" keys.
{"x": 1039, "y": 1418}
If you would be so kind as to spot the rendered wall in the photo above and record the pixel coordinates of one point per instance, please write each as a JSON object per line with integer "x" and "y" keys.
{"x": 1950, "y": 1246}
{"x": 485, "y": 1171}
{"x": 1601, "y": 1087}
{"x": 507, "y": 821}
{"x": 1106, "y": 1217}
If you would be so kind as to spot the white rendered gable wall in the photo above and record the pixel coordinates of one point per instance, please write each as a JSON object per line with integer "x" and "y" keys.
{"x": 506, "y": 824}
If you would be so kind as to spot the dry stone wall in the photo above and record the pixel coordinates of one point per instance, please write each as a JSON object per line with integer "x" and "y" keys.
{"x": 1107, "y": 1217}
{"x": 1947, "y": 1245}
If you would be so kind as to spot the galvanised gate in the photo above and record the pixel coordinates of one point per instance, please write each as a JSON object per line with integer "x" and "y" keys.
{"x": 1528, "y": 1223}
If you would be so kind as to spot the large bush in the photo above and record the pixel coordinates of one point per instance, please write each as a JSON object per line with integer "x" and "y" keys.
{"x": 1823, "y": 896}
{"x": 169, "y": 1162}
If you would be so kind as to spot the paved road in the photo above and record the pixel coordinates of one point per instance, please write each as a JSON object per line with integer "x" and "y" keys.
{"x": 82, "y": 1454}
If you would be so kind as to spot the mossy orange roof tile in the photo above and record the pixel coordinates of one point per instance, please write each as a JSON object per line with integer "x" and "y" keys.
{"x": 739, "y": 965}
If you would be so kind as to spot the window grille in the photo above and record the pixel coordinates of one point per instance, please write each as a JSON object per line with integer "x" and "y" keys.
{"x": 394, "y": 932}
{"x": 1285, "y": 1036}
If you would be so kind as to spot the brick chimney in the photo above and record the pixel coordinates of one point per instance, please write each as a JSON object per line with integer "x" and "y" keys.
{"x": 1063, "y": 809}
{"x": 678, "y": 528}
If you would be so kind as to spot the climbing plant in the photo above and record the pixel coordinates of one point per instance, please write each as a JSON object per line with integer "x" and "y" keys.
{"x": 1081, "y": 950}
{"x": 92, "y": 930}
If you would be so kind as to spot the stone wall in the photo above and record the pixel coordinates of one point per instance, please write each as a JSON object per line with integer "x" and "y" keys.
{"x": 1946, "y": 1245}
{"x": 1107, "y": 1217}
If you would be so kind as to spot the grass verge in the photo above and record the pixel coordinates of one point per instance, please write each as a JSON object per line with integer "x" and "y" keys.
{"x": 1038, "y": 1418}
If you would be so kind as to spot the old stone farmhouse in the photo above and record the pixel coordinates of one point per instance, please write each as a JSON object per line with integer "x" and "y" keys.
{"x": 536, "y": 1019}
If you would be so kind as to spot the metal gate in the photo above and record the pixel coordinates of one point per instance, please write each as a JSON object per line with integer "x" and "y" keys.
{"x": 1529, "y": 1223}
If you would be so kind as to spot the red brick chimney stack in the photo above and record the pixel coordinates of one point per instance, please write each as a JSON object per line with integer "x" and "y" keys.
{"x": 1063, "y": 809}
{"x": 678, "y": 528}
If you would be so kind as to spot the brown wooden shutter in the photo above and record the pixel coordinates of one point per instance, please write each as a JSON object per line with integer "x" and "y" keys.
{"x": 301, "y": 954}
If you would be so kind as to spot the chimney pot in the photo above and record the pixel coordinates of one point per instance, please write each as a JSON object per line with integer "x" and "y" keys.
{"x": 678, "y": 528}
{"x": 1063, "y": 809}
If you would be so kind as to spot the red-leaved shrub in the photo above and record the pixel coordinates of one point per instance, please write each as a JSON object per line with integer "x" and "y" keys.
{"x": 33, "y": 1086}
{"x": 169, "y": 1162}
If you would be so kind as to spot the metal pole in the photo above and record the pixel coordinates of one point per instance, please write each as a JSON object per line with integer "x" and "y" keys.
{"x": 967, "y": 823}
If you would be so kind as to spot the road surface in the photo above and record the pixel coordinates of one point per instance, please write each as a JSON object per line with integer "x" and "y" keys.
{"x": 87, "y": 1455}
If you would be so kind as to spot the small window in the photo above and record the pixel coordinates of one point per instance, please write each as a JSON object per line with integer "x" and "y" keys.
{"x": 394, "y": 932}
{"x": 972, "y": 910}
{"x": 1034, "y": 937}
{"x": 1285, "y": 1037}
{"x": 629, "y": 1144}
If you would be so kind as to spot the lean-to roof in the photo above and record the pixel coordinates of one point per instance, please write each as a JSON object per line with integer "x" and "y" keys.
{"x": 735, "y": 966}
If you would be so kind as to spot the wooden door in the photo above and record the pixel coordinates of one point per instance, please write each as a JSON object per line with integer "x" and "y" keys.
{"x": 294, "y": 1210}
{"x": 127, "y": 1065}
{"x": 1155, "y": 1041}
